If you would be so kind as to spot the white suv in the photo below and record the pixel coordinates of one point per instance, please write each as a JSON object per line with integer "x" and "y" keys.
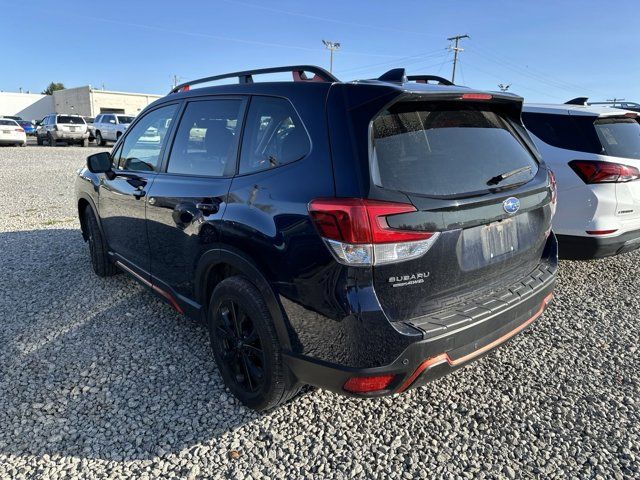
{"x": 109, "y": 127}
{"x": 594, "y": 152}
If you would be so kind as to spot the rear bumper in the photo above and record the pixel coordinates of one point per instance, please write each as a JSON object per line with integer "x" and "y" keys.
{"x": 583, "y": 248}
{"x": 497, "y": 320}
{"x": 69, "y": 135}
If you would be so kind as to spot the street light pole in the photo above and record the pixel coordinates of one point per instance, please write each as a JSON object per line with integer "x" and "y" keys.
{"x": 332, "y": 47}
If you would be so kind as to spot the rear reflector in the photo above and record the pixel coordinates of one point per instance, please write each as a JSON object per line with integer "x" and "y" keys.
{"x": 595, "y": 171}
{"x": 357, "y": 232}
{"x": 368, "y": 384}
{"x": 476, "y": 96}
{"x": 601, "y": 232}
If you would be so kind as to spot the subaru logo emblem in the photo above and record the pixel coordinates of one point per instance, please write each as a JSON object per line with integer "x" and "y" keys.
{"x": 511, "y": 205}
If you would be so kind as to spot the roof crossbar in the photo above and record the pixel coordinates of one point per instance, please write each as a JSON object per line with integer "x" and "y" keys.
{"x": 429, "y": 78}
{"x": 297, "y": 71}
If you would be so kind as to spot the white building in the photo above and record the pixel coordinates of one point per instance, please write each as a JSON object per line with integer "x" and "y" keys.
{"x": 85, "y": 101}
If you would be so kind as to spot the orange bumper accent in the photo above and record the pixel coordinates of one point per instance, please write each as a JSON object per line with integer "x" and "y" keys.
{"x": 444, "y": 357}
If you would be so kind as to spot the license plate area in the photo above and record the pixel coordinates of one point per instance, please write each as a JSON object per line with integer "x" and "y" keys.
{"x": 499, "y": 238}
{"x": 6, "y": 132}
{"x": 72, "y": 129}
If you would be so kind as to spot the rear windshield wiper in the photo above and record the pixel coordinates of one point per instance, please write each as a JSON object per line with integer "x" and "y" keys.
{"x": 503, "y": 176}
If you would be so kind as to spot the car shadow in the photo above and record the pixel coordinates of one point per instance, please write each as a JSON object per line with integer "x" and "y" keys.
{"x": 99, "y": 368}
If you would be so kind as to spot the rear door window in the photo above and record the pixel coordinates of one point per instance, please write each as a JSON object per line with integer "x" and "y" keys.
{"x": 564, "y": 131}
{"x": 620, "y": 137}
{"x": 274, "y": 135}
{"x": 446, "y": 150}
{"x": 207, "y": 139}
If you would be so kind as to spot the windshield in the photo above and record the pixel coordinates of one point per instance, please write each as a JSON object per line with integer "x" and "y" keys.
{"x": 124, "y": 119}
{"x": 620, "y": 137}
{"x": 70, "y": 119}
{"x": 447, "y": 150}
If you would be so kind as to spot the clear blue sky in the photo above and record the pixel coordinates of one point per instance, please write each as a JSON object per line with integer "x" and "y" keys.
{"x": 547, "y": 50}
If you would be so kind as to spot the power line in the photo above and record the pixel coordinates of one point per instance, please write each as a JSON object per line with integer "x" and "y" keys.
{"x": 456, "y": 49}
{"x": 419, "y": 57}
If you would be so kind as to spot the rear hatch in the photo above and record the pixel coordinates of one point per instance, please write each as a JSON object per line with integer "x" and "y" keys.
{"x": 72, "y": 124}
{"x": 473, "y": 177}
{"x": 620, "y": 138}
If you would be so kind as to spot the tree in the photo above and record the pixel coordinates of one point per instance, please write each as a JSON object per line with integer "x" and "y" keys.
{"x": 53, "y": 86}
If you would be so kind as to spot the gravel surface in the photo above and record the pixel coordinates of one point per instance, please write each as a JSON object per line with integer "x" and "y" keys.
{"x": 98, "y": 378}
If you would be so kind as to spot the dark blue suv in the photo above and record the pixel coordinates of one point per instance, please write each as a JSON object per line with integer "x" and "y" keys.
{"x": 364, "y": 237}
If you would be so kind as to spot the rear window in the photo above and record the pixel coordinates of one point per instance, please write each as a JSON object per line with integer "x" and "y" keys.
{"x": 441, "y": 150}
{"x": 69, "y": 119}
{"x": 8, "y": 122}
{"x": 124, "y": 119}
{"x": 620, "y": 137}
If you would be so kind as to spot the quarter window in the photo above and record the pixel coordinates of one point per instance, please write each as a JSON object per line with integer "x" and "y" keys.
{"x": 143, "y": 144}
{"x": 207, "y": 139}
{"x": 274, "y": 135}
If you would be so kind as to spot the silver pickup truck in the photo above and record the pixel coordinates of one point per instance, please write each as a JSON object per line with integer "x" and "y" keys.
{"x": 108, "y": 127}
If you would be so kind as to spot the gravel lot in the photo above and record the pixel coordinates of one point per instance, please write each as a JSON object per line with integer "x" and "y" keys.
{"x": 98, "y": 378}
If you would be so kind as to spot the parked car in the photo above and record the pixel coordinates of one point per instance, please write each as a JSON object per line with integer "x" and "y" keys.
{"x": 108, "y": 127}
{"x": 90, "y": 128}
{"x": 11, "y": 133}
{"x": 594, "y": 152}
{"x": 29, "y": 127}
{"x": 67, "y": 128}
{"x": 365, "y": 237}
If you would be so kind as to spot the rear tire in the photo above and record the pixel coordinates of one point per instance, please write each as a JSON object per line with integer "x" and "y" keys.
{"x": 246, "y": 347}
{"x": 84, "y": 143}
{"x": 100, "y": 261}
{"x": 39, "y": 140}
{"x": 99, "y": 139}
{"x": 51, "y": 140}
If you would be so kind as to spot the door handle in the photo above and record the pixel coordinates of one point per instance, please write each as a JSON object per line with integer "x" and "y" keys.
{"x": 139, "y": 194}
{"x": 207, "y": 208}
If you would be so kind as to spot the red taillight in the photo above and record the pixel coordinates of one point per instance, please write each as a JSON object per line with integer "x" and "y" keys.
{"x": 368, "y": 384}
{"x": 356, "y": 221}
{"x": 186, "y": 88}
{"x": 19, "y": 129}
{"x": 357, "y": 232}
{"x": 595, "y": 171}
{"x": 631, "y": 115}
{"x": 476, "y": 96}
{"x": 601, "y": 232}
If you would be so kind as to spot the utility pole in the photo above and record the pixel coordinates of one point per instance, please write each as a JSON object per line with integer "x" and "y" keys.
{"x": 504, "y": 87}
{"x": 456, "y": 49}
{"x": 176, "y": 80}
{"x": 332, "y": 47}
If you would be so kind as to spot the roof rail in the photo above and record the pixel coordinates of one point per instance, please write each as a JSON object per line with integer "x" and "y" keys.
{"x": 394, "y": 75}
{"x": 577, "y": 101}
{"x": 298, "y": 72}
{"x": 427, "y": 78}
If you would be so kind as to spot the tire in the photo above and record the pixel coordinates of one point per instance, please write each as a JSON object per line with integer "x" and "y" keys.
{"x": 52, "y": 142}
{"x": 99, "y": 140}
{"x": 98, "y": 250}
{"x": 246, "y": 347}
{"x": 39, "y": 140}
{"x": 84, "y": 143}
{"x": 23, "y": 144}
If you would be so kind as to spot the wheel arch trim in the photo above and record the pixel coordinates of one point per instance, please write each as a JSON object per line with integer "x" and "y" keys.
{"x": 242, "y": 263}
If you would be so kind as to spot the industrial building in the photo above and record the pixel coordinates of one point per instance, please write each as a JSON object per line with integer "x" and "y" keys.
{"x": 85, "y": 101}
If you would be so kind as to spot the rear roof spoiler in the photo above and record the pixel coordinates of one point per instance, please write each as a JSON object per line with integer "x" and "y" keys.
{"x": 577, "y": 101}
{"x": 399, "y": 75}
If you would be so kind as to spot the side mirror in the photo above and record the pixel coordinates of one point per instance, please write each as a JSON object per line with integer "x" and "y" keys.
{"x": 99, "y": 162}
